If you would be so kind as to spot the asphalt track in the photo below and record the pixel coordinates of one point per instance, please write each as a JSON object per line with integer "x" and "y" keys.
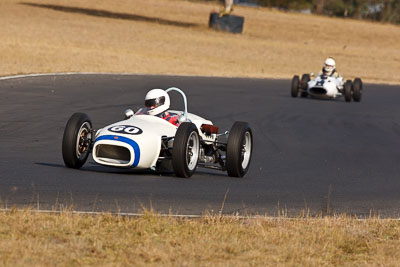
{"x": 314, "y": 155}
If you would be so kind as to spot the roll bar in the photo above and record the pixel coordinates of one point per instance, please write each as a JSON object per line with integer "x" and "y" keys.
{"x": 184, "y": 98}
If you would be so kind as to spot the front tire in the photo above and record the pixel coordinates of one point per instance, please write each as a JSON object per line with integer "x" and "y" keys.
{"x": 185, "y": 153}
{"x": 348, "y": 88}
{"x": 357, "y": 89}
{"x": 295, "y": 86}
{"x": 304, "y": 84}
{"x": 77, "y": 140}
{"x": 239, "y": 149}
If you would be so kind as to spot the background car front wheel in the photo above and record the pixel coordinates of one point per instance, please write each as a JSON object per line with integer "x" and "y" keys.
{"x": 357, "y": 89}
{"x": 185, "y": 152}
{"x": 77, "y": 140}
{"x": 304, "y": 84}
{"x": 348, "y": 89}
{"x": 295, "y": 86}
{"x": 239, "y": 149}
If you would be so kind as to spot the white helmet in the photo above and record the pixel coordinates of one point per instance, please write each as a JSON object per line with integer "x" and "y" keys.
{"x": 329, "y": 66}
{"x": 157, "y": 101}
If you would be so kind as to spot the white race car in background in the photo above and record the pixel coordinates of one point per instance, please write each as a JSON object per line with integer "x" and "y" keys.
{"x": 143, "y": 141}
{"x": 327, "y": 87}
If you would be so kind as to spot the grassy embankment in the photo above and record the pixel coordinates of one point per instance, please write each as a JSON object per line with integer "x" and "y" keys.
{"x": 172, "y": 37}
{"x": 66, "y": 239}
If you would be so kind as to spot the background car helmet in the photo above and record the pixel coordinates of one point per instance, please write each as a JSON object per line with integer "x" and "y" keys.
{"x": 157, "y": 101}
{"x": 329, "y": 66}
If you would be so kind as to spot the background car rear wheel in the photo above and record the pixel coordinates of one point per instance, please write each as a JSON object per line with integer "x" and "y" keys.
{"x": 348, "y": 88}
{"x": 77, "y": 140}
{"x": 357, "y": 89}
{"x": 295, "y": 86}
{"x": 185, "y": 153}
{"x": 304, "y": 84}
{"x": 239, "y": 149}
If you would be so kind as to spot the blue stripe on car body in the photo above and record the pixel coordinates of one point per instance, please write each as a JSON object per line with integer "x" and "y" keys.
{"x": 128, "y": 141}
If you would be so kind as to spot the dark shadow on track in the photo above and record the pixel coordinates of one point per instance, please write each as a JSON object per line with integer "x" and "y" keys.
{"x": 111, "y": 15}
{"x": 92, "y": 167}
{"x": 50, "y": 164}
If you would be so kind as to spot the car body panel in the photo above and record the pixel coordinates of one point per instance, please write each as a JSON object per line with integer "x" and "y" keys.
{"x": 136, "y": 142}
{"x": 325, "y": 87}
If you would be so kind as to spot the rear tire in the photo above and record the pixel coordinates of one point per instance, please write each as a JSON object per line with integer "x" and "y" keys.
{"x": 304, "y": 84}
{"x": 357, "y": 89}
{"x": 77, "y": 140}
{"x": 348, "y": 88}
{"x": 295, "y": 86}
{"x": 185, "y": 152}
{"x": 239, "y": 149}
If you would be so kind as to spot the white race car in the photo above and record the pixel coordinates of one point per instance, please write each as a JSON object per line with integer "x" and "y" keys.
{"x": 327, "y": 87}
{"x": 144, "y": 141}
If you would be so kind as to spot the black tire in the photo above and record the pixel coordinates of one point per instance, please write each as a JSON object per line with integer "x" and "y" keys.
{"x": 357, "y": 89}
{"x": 305, "y": 78}
{"x": 185, "y": 153}
{"x": 348, "y": 89}
{"x": 77, "y": 140}
{"x": 238, "y": 156}
{"x": 295, "y": 86}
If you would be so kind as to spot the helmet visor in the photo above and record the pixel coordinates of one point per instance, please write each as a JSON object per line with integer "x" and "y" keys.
{"x": 329, "y": 67}
{"x": 155, "y": 102}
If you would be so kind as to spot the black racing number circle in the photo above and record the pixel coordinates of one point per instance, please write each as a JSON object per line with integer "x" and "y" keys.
{"x": 125, "y": 129}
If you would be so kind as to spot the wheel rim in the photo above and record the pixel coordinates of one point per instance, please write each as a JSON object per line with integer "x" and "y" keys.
{"x": 192, "y": 150}
{"x": 82, "y": 140}
{"x": 246, "y": 150}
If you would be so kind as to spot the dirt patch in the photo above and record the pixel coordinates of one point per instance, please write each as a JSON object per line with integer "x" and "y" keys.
{"x": 172, "y": 37}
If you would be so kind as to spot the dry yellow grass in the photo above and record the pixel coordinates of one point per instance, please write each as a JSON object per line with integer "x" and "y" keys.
{"x": 31, "y": 239}
{"x": 36, "y": 39}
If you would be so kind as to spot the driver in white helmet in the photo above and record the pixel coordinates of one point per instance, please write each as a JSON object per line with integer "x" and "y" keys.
{"x": 329, "y": 69}
{"x": 157, "y": 103}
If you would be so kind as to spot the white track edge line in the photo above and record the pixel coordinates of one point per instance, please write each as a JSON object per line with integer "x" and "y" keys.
{"x": 126, "y": 74}
{"x": 127, "y": 214}
{"x": 189, "y": 216}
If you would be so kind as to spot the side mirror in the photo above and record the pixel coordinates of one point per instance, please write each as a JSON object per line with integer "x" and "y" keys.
{"x": 129, "y": 113}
